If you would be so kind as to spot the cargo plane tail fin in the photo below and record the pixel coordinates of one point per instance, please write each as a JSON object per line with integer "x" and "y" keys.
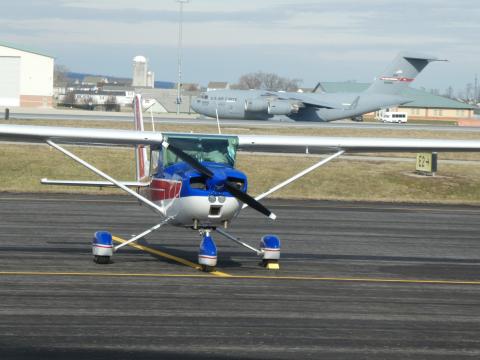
{"x": 400, "y": 73}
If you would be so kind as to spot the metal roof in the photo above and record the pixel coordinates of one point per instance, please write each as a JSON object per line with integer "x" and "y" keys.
{"x": 17, "y": 47}
{"x": 421, "y": 99}
{"x": 217, "y": 85}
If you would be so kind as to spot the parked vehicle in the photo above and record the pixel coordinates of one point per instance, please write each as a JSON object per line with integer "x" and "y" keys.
{"x": 388, "y": 116}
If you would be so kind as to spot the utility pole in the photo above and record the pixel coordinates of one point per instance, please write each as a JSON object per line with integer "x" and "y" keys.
{"x": 179, "y": 55}
{"x": 476, "y": 94}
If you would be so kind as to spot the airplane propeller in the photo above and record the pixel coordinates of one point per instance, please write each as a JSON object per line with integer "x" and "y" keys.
{"x": 232, "y": 189}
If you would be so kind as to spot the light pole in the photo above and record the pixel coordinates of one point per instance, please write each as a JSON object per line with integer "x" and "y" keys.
{"x": 179, "y": 54}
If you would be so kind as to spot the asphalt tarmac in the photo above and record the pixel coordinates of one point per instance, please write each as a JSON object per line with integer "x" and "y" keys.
{"x": 357, "y": 281}
{"x": 194, "y": 119}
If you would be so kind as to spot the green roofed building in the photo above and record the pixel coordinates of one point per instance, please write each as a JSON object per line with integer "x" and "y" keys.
{"x": 424, "y": 105}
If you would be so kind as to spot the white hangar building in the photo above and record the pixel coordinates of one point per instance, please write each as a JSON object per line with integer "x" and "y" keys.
{"x": 26, "y": 77}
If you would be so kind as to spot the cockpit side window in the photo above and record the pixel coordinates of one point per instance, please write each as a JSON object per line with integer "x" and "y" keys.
{"x": 156, "y": 160}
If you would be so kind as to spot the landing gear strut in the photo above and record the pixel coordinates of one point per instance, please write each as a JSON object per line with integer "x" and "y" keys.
{"x": 269, "y": 249}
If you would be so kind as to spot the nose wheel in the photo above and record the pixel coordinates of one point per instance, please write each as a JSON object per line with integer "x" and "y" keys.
{"x": 207, "y": 255}
{"x": 207, "y": 269}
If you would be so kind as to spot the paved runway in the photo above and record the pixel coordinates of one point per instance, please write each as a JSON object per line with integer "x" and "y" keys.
{"x": 357, "y": 281}
{"x": 193, "y": 119}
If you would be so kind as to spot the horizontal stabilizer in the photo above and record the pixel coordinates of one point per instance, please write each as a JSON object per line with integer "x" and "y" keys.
{"x": 317, "y": 87}
{"x": 46, "y": 181}
{"x": 354, "y": 104}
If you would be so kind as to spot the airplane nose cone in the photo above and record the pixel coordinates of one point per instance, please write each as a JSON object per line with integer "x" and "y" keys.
{"x": 217, "y": 181}
{"x": 193, "y": 105}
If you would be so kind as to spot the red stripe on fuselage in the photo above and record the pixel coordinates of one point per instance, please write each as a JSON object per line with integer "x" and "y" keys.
{"x": 162, "y": 189}
{"x": 401, "y": 79}
{"x": 138, "y": 114}
{"x": 141, "y": 159}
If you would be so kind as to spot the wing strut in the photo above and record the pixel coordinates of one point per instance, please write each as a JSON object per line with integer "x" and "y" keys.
{"x": 144, "y": 200}
{"x": 146, "y": 232}
{"x": 298, "y": 176}
{"x": 238, "y": 241}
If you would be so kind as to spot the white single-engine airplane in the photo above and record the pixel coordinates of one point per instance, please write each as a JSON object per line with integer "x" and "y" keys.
{"x": 190, "y": 180}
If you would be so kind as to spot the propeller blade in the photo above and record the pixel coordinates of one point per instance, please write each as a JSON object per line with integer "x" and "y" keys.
{"x": 189, "y": 160}
{"x": 247, "y": 199}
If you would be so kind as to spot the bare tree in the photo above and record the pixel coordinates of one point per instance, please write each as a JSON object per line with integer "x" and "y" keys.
{"x": 111, "y": 104}
{"x": 69, "y": 99}
{"x": 60, "y": 77}
{"x": 267, "y": 81}
{"x": 250, "y": 81}
{"x": 449, "y": 92}
{"x": 88, "y": 102}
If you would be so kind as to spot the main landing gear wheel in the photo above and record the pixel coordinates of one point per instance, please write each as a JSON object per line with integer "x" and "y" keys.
{"x": 270, "y": 264}
{"x": 102, "y": 247}
{"x": 101, "y": 259}
{"x": 270, "y": 247}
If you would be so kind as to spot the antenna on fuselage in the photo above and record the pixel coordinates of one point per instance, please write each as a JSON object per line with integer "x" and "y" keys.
{"x": 151, "y": 114}
{"x": 218, "y": 121}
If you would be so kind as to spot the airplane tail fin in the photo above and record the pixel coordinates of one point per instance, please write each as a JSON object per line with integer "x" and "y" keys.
{"x": 141, "y": 158}
{"x": 400, "y": 73}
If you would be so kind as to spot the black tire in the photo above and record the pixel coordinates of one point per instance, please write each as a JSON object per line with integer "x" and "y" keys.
{"x": 101, "y": 259}
{"x": 207, "y": 268}
{"x": 264, "y": 263}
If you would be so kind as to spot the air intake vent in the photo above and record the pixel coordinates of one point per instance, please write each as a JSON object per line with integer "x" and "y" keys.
{"x": 215, "y": 210}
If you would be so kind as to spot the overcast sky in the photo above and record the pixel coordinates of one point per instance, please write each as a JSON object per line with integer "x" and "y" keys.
{"x": 313, "y": 40}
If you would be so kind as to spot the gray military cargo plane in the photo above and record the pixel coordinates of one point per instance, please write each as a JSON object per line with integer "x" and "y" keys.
{"x": 384, "y": 92}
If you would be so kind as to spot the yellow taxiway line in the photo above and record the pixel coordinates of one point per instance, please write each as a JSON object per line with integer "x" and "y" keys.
{"x": 244, "y": 277}
{"x": 169, "y": 256}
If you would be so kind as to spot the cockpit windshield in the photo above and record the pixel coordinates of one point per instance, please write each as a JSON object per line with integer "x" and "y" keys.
{"x": 214, "y": 148}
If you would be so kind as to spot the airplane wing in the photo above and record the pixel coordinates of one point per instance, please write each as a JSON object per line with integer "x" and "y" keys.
{"x": 41, "y": 134}
{"x": 311, "y": 101}
{"x": 280, "y": 143}
{"x": 275, "y": 143}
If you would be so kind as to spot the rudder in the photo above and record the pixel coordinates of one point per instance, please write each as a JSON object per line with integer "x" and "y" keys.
{"x": 141, "y": 158}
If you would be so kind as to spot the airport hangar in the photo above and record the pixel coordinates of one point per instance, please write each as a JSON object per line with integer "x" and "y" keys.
{"x": 425, "y": 106}
{"x": 27, "y": 77}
